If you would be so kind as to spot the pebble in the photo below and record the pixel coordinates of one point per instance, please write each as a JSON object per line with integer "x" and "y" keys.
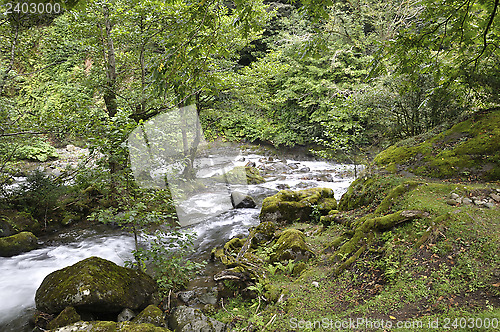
{"x": 466, "y": 201}
{"x": 489, "y": 205}
{"x": 495, "y": 197}
{"x": 451, "y": 202}
{"x": 454, "y": 196}
{"x": 315, "y": 284}
{"x": 126, "y": 315}
{"x": 186, "y": 296}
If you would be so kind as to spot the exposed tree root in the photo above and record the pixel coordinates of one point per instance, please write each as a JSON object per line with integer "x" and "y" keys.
{"x": 354, "y": 244}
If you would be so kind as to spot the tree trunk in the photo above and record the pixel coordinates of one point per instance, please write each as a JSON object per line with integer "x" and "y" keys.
{"x": 190, "y": 153}
{"x": 109, "y": 94}
{"x": 5, "y": 74}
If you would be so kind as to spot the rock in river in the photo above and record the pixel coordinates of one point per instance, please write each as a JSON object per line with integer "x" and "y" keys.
{"x": 240, "y": 200}
{"x": 18, "y": 243}
{"x": 95, "y": 285}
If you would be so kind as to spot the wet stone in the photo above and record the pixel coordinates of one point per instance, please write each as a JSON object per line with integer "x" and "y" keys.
{"x": 126, "y": 315}
{"x": 495, "y": 197}
{"x": 186, "y": 296}
{"x": 466, "y": 201}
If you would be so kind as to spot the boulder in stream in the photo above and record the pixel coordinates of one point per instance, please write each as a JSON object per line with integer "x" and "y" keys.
{"x": 240, "y": 200}
{"x": 95, "y": 285}
{"x": 18, "y": 243}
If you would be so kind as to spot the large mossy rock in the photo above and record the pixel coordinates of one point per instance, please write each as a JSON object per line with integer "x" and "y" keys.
{"x": 468, "y": 150}
{"x": 95, "y": 285}
{"x": 290, "y": 206}
{"x": 18, "y": 243}
{"x": 291, "y": 245}
{"x": 105, "y": 326}
{"x": 185, "y": 319}
{"x": 263, "y": 233}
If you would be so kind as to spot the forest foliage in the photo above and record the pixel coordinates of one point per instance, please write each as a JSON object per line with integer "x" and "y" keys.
{"x": 344, "y": 76}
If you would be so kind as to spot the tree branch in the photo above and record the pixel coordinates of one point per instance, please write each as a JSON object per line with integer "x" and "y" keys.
{"x": 486, "y": 30}
{"x": 24, "y": 133}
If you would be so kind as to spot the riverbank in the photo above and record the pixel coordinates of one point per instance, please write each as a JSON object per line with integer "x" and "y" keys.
{"x": 291, "y": 170}
{"x": 439, "y": 267}
{"x": 403, "y": 250}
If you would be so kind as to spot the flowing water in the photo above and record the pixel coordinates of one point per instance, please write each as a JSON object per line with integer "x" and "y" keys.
{"x": 214, "y": 223}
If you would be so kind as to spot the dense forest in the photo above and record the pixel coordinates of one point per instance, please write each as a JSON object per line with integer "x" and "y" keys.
{"x": 408, "y": 91}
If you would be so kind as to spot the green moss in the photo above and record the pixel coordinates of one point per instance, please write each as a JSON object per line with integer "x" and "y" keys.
{"x": 263, "y": 232}
{"x": 18, "y": 243}
{"x": 19, "y": 221}
{"x": 367, "y": 190}
{"x": 299, "y": 268}
{"x": 241, "y": 175}
{"x": 291, "y": 245}
{"x": 272, "y": 293}
{"x": 66, "y": 317}
{"x": 220, "y": 255}
{"x": 234, "y": 245}
{"x": 253, "y": 176}
{"x": 296, "y": 206}
{"x": 470, "y": 148}
{"x": 327, "y": 204}
{"x": 150, "y": 315}
{"x": 69, "y": 218}
{"x": 106, "y": 326}
{"x": 394, "y": 194}
{"x": 394, "y": 155}
{"x": 95, "y": 284}
{"x": 424, "y": 269}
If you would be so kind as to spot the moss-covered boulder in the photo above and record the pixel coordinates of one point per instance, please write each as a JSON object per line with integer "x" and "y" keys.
{"x": 18, "y": 243}
{"x": 12, "y": 222}
{"x": 95, "y": 285}
{"x": 263, "y": 233}
{"x": 67, "y": 317}
{"x": 241, "y": 175}
{"x": 290, "y": 206}
{"x": 329, "y": 218}
{"x": 468, "y": 150}
{"x": 150, "y": 315}
{"x": 185, "y": 319}
{"x": 291, "y": 245}
{"x": 105, "y": 326}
